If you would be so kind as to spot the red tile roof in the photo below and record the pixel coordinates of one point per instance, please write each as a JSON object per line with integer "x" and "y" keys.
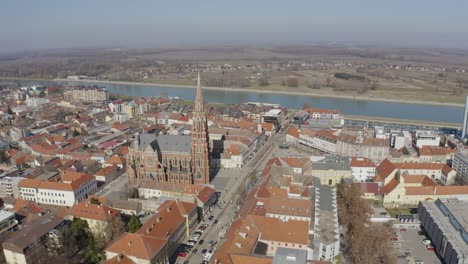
{"x": 368, "y": 187}
{"x": 93, "y": 211}
{"x": 140, "y": 246}
{"x": 205, "y": 194}
{"x": 106, "y": 171}
{"x": 435, "y": 151}
{"x": 68, "y": 181}
{"x": 390, "y": 186}
{"x": 293, "y": 131}
{"x": 385, "y": 168}
{"x": 375, "y": 142}
{"x": 171, "y": 214}
{"x": 421, "y": 179}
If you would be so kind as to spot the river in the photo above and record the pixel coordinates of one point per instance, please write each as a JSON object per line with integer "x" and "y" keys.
{"x": 427, "y": 112}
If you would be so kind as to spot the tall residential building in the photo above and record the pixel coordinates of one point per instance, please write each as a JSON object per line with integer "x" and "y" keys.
{"x": 465, "y": 119}
{"x": 177, "y": 158}
{"x": 460, "y": 165}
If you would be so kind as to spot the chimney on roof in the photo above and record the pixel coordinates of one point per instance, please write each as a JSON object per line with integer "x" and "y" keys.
{"x": 129, "y": 243}
{"x": 119, "y": 258}
{"x": 169, "y": 209}
{"x": 109, "y": 212}
{"x": 148, "y": 230}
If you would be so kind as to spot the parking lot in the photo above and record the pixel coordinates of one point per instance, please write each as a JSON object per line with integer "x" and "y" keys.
{"x": 410, "y": 248}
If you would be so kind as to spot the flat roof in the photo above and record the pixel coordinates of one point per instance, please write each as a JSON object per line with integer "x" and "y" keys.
{"x": 289, "y": 256}
{"x": 273, "y": 112}
{"x": 456, "y": 208}
{"x": 5, "y": 215}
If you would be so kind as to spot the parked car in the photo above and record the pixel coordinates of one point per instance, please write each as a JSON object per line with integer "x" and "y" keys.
{"x": 194, "y": 251}
{"x": 430, "y": 248}
{"x": 198, "y": 233}
{"x": 426, "y": 241}
{"x": 210, "y": 218}
{"x": 182, "y": 254}
{"x": 215, "y": 221}
{"x": 190, "y": 243}
{"x": 403, "y": 230}
{"x": 207, "y": 256}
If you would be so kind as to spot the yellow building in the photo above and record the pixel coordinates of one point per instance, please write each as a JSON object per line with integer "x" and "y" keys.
{"x": 99, "y": 219}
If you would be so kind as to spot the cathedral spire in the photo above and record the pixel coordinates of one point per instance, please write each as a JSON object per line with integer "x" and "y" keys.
{"x": 199, "y": 96}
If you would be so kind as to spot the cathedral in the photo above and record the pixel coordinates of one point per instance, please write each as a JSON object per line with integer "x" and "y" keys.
{"x": 176, "y": 159}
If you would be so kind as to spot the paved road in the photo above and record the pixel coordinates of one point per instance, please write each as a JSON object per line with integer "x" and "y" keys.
{"x": 231, "y": 179}
{"x": 117, "y": 189}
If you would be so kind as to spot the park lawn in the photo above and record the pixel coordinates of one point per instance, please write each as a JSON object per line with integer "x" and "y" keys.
{"x": 393, "y": 212}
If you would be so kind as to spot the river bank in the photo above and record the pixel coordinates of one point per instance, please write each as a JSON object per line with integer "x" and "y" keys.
{"x": 308, "y": 94}
{"x": 403, "y": 121}
{"x": 321, "y": 94}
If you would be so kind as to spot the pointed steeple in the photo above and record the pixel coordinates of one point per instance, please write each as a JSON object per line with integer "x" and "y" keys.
{"x": 199, "y": 96}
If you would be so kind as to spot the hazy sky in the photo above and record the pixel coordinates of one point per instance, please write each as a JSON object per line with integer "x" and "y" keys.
{"x": 47, "y": 24}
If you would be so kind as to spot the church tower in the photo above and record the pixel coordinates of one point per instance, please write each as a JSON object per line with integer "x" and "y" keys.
{"x": 200, "y": 140}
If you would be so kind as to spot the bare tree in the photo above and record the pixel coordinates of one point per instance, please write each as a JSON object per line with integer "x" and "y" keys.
{"x": 292, "y": 82}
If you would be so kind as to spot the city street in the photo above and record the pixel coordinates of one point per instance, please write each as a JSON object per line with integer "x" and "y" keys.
{"x": 227, "y": 182}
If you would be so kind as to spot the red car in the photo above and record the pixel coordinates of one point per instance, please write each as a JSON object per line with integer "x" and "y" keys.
{"x": 394, "y": 238}
{"x": 182, "y": 254}
{"x": 402, "y": 229}
{"x": 430, "y": 248}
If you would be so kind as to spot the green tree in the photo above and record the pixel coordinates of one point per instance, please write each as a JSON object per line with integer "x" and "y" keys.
{"x": 80, "y": 231}
{"x": 95, "y": 201}
{"x": 134, "y": 224}
{"x": 93, "y": 253}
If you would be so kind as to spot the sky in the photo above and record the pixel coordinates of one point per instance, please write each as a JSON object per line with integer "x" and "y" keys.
{"x": 56, "y": 24}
